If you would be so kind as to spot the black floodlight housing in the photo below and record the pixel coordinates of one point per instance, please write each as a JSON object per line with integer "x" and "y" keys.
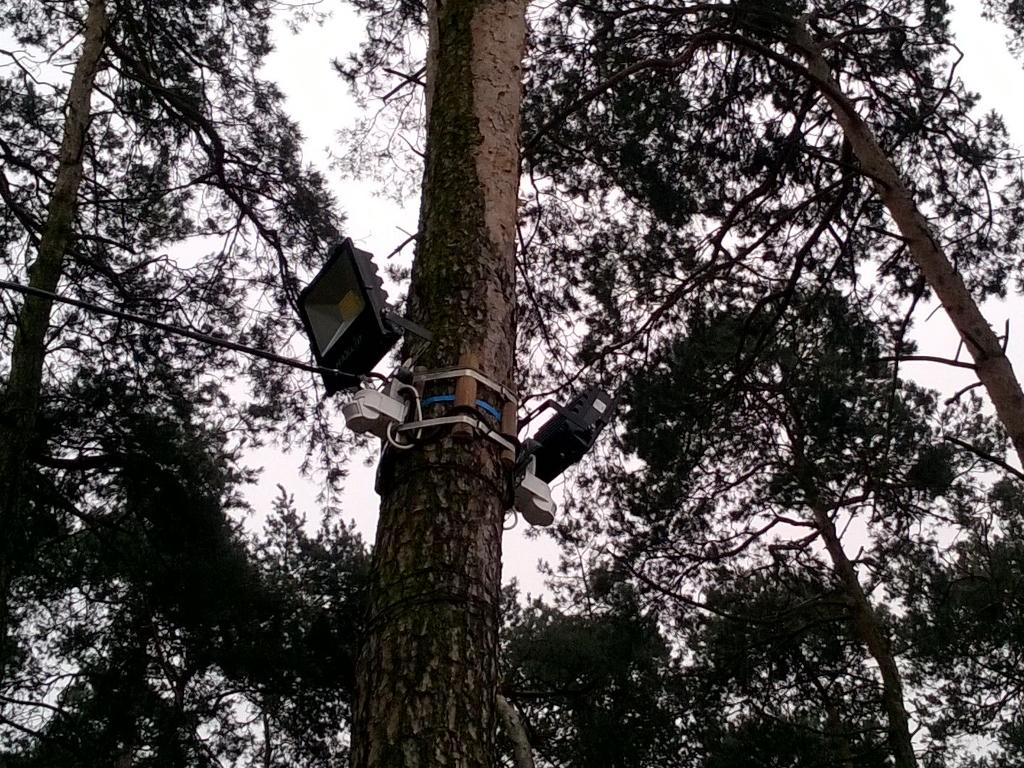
{"x": 567, "y": 436}
{"x": 347, "y": 318}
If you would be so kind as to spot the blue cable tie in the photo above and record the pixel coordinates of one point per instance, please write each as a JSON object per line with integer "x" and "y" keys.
{"x": 487, "y": 407}
{"x": 481, "y": 404}
{"x": 437, "y": 399}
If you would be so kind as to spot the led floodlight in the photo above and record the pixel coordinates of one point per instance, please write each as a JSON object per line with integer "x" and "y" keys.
{"x": 567, "y": 436}
{"x": 346, "y": 315}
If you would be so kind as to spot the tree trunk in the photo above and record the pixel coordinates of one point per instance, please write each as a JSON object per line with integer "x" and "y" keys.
{"x": 865, "y": 620}
{"x": 870, "y": 631}
{"x": 427, "y": 678}
{"x": 838, "y": 736}
{"x": 512, "y": 724}
{"x": 21, "y": 397}
{"x": 991, "y": 364}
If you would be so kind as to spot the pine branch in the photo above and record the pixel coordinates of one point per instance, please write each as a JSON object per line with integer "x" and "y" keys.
{"x": 985, "y": 455}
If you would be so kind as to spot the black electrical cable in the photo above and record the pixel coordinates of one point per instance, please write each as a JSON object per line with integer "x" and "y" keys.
{"x": 179, "y": 331}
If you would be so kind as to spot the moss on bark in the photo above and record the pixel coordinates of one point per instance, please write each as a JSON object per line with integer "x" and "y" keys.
{"x": 427, "y": 679}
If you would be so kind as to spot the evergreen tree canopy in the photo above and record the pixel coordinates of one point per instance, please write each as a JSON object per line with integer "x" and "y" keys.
{"x": 785, "y": 554}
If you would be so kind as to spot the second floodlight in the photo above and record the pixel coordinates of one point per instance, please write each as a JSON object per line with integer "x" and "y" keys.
{"x": 568, "y": 435}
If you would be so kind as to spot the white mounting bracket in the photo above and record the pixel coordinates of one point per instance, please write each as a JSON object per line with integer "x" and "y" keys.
{"x": 533, "y": 498}
{"x": 459, "y": 372}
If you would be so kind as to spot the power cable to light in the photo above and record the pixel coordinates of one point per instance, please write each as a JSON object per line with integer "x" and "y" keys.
{"x": 176, "y": 330}
{"x": 391, "y": 434}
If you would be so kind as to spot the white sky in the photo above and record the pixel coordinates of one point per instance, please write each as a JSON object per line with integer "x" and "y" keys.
{"x": 320, "y": 102}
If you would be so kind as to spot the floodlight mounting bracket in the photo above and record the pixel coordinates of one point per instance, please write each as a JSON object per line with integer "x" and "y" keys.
{"x": 525, "y": 455}
{"x": 459, "y": 406}
{"x": 464, "y": 397}
{"x": 392, "y": 317}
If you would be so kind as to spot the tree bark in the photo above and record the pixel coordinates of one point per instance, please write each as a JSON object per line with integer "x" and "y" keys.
{"x": 991, "y": 363}
{"x": 512, "y": 723}
{"x": 427, "y": 675}
{"x": 870, "y": 631}
{"x": 20, "y": 408}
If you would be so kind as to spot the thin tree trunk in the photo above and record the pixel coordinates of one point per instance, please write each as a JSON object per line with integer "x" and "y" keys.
{"x": 21, "y": 396}
{"x": 835, "y": 727}
{"x": 865, "y": 620}
{"x": 427, "y": 676}
{"x": 522, "y": 754}
{"x": 991, "y": 363}
{"x": 870, "y": 631}
{"x": 837, "y": 734}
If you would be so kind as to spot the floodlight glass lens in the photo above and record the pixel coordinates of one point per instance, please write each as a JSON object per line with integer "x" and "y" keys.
{"x": 350, "y": 306}
{"x": 333, "y": 304}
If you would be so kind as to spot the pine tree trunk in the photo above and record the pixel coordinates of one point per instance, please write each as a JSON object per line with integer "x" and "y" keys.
{"x": 991, "y": 364}
{"x": 427, "y": 677}
{"x": 21, "y": 396}
{"x": 870, "y": 631}
{"x": 865, "y": 621}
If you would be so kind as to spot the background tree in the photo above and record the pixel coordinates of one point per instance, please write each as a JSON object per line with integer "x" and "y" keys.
{"x": 165, "y": 637}
{"x": 964, "y": 621}
{"x": 200, "y": 150}
{"x": 714, "y": 156}
{"x": 1010, "y": 13}
{"x": 777, "y": 677}
{"x": 826, "y": 455}
{"x": 724, "y": 183}
{"x": 142, "y": 625}
{"x": 596, "y": 686}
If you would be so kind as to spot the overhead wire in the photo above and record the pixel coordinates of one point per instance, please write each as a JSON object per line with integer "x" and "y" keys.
{"x": 176, "y": 330}
{"x": 263, "y": 354}
{"x": 482, "y": 426}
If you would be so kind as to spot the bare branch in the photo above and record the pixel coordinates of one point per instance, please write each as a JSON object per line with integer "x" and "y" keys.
{"x": 986, "y": 456}
{"x": 927, "y": 359}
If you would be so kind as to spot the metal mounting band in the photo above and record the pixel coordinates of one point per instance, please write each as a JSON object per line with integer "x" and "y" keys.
{"x": 458, "y": 418}
{"x": 454, "y": 373}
